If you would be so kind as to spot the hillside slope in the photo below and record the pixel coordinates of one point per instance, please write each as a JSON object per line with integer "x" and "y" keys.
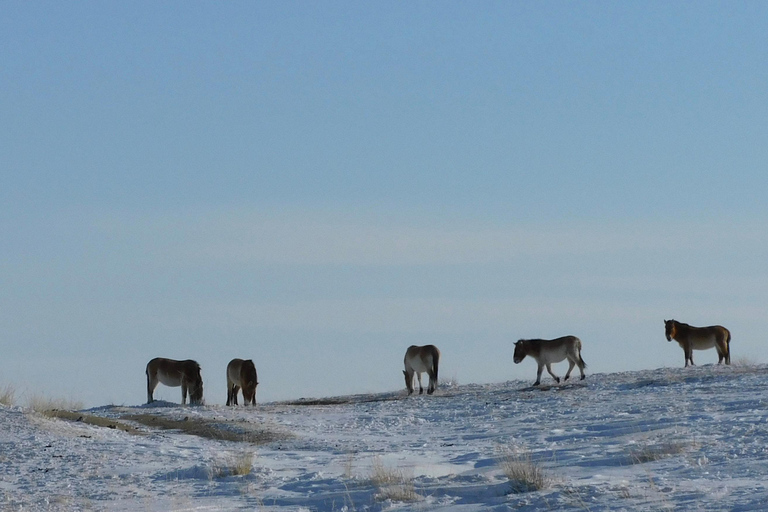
{"x": 693, "y": 439}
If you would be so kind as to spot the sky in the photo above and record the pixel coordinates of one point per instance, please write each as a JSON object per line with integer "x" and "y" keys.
{"x": 317, "y": 186}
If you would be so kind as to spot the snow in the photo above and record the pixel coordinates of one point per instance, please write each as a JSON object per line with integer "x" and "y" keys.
{"x": 672, "y": 438}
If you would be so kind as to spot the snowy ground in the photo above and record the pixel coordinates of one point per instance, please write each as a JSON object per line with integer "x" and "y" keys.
{"x": 675, "y": 438}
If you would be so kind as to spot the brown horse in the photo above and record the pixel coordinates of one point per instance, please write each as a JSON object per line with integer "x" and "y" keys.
{"x": 700, "y": 338}
{"x": 419, "y": 360}
{"x": 241, "y": 374}
{"x": 546, "y": 352}
{"x": 175, "y": 373}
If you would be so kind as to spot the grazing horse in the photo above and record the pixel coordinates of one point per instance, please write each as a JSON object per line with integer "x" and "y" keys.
{"x": 175, "y": 373}
{"x": 546, "y": 352}
{"x": 241, "y": 374}
{"x": 700, "y": 338}
{"x": 419, "y": 360}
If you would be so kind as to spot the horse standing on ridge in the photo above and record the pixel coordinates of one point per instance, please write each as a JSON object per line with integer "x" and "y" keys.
{"x": 419, "y": 360}
{"x": 700, "y": 338}
{"x": 546, "y": 352}
{"x": 174, "y": 374}
{"x": 241, "y": 374}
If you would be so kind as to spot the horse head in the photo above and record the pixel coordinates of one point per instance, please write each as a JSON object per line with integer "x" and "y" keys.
{"x": 195, "y": 384}
{"x": 520, "y": 351}
{"x": 249, "y": 380}
{"x": 670, "y": 329}
{"x": 408, "y": 381}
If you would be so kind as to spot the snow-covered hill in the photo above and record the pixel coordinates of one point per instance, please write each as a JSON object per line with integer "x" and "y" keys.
{"x": 680, "y": 438}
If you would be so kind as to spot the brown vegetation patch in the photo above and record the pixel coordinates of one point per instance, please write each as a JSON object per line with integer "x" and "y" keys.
{"x": 240, "y": 431}
{"x": 90, "y": 419}
{"x": 343, "y": 400}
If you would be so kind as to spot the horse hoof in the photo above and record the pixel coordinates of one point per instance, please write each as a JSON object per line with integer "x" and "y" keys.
{"x": 536, "y": 383}
{"x": 567, "y": 377}
{"x": 557, "y": 379}
{"x": 583, "y": 377}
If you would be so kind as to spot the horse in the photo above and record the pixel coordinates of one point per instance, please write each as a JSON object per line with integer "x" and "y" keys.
{"x": 419, "y": 360}
{"x": 241, "y": 374}
{"x": 700, "y": 338}
{"x": 175, "y": 373}
{"x": 546, "y": 352}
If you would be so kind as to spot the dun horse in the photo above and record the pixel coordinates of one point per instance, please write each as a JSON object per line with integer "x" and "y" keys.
{"x": 546, "y": 352}
{"x": 175, "y": 373}
{"x": 700, "y": 338}
{"x": 419, "y": 360}
{"x": 241, "y": 374}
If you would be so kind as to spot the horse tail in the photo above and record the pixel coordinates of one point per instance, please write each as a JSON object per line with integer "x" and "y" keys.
{"x": 435, "y": 363}
{"x": 582, "y": 364}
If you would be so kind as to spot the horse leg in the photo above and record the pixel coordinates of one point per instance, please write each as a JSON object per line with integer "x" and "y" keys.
{"x": 418, "y": 377}
{"x": 183, "y": 392}
{"x": 229, "y": 393}
{"x": 549, "y": 369}
{"x": 722, "y": 352}
{"x": 538, "y": 375}
{"x": 151, "y": 385}
{"x": 235, "y": 390}
{"x": 432, "y": 383}
{"x": 571, "y": 364}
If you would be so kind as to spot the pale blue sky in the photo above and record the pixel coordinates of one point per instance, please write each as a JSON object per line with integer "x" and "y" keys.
{"x": 319, "y": 185}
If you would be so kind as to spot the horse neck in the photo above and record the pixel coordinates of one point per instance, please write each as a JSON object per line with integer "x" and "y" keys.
{"x": 681, "y": 329}
{"x": 534, "y": 349}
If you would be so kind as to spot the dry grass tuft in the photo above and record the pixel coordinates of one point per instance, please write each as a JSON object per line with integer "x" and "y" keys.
{"x": 348, "y": 465}
{"x": 8, "y": 395}
{"x": 450, "y": 382}
{"x": 242, "y": 463}
{"x": 393, "y": 484}
{"x": 524, "y": 474}
{"x": 235, "y": 464}
{"x": 745, "y": 362}
{"x": 650, "y": 452}
{"x": 47, "y": 406}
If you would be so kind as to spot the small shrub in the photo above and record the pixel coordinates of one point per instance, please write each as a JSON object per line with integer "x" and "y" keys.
{"x": 393, "y": 484}
{"x": 524, "y": 474}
